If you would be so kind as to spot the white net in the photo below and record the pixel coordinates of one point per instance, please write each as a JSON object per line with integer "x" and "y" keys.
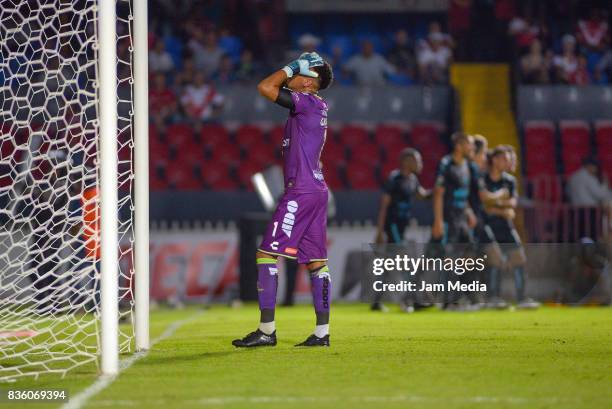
{"x": 49, "y": 229}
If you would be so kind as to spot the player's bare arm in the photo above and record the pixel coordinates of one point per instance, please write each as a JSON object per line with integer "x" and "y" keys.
{"x": 385, "y": 201}
{"x": 437, "y": 230}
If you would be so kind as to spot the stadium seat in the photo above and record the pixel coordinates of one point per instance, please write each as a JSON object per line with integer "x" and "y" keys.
{"x": 575, "y": 140}
{"x": 227, "y": 153}
{"x": 332, "y": 177}
{"x": 547, "y": 188}
{"x": 333, "y": 153}
{"x": 603, "y": 135}
{"x": 389, "y": 135}
{"x": 539, "y": 147}
{"x": 572, "y": 160}
{"x": 351, "y": 135}
{"x": 245, "y": 171}
{"x": 249, "y": 135}
{"x": 212, "y": 135}
{"x": 182, "y": 178}
{"x": 361, "y": 176}
{"x": 276, "y": 134}
{"x": 539, "y": 134}
{"x": 423, "y": 133}
{"x": 179, "y": 135}
{"x": 262, "y": 155}
{"x": 368, "y": 153}
{"x": 216, "y": 176}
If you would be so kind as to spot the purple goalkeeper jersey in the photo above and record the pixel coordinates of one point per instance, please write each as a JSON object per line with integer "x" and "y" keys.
{"x": 303, "y": 141}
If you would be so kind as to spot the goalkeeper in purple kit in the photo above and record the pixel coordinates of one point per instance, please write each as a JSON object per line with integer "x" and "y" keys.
{"x": 299, "y": 225}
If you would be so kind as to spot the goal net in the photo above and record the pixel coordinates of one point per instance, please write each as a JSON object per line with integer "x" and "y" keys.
{"x": 50, "y": 191}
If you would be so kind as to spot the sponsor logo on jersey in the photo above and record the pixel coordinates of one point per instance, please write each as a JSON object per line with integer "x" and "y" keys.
{"x": 289, "y": 218}
{"x": 317, "y": 175}
{"x": 291, "y": 250}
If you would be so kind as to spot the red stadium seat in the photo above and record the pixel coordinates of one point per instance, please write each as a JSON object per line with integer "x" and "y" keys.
{"x": 334, "y": 153}
{"x": 603, "y": 135}
{"x": 182, "y": 177}
{"x": 572, "y": 161}
{"x": 179, "y": 135}
{"x": 391, "y": 151}
{"x": 249, "y": 135}
{"x": 575, "y": 138}
{"x": 361, "y": 176}
{"x": 245, "y": 171}
{"x": 277, "y": 134}
{"x": 212, "y": 135}
{"x": 389, "y": 135}
{"x": 351, "y": 135}
{"x": 332, "y": 177}
{"x": 368, "y": 153}
{"x": 546, "y": 188}
{"x": 423, "y": 133}
{"x": 226, "y": 153}
{"x": 539, "y": 134}
{"x": 262, "y": 155}
{"x": 216, "y": 176}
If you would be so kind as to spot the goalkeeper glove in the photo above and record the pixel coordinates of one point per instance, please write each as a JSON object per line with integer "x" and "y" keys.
{"x": 303, "y": 65}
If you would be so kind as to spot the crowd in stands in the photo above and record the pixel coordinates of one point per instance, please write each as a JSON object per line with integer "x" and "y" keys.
{"x": 579, "y": 54}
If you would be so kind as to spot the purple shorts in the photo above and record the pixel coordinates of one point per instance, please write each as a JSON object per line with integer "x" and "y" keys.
{"x": 298, "y": 228}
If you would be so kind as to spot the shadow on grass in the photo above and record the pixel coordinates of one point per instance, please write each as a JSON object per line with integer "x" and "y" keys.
{"x": 175, "y": 359}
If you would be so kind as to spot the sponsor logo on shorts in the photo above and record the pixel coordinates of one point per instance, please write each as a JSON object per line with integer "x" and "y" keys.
{"x": 289, "y": 219}
{"x": 273, "y": 271}
{"x": 291, "y": 250}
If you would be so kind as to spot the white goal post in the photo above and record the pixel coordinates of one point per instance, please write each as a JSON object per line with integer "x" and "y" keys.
{"x": 74, "y": 185}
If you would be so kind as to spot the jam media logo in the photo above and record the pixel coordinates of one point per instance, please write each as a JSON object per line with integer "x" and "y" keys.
{"x": 289, "y": 218}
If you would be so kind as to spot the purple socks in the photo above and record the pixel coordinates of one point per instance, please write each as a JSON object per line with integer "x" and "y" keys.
{"x": 267, "y": 283}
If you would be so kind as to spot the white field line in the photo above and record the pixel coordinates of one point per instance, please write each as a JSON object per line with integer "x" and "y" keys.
{"x": 232, "y": 400}
{"x": 81, "y": 398}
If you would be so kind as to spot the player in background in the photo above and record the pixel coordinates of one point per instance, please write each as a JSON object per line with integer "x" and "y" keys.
{"x": 453, "y": 217}
{"x": 500, "y": 216}
{"x": 400, "y": 191}
{"x": 299, "y": 225}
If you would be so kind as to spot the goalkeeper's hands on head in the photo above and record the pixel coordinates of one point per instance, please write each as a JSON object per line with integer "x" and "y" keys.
{"x": 303, "y": 64}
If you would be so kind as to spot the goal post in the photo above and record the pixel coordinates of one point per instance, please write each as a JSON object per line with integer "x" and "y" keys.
{"x": 74, "y": 228}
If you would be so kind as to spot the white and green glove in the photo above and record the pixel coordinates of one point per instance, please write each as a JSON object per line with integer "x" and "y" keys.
{"x": 303, "y": 64}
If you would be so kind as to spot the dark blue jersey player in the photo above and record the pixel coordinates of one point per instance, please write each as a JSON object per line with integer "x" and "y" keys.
{"x": 400, "y": 191}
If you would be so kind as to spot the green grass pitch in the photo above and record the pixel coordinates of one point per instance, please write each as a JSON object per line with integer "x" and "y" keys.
{"x": 549, "y": 358}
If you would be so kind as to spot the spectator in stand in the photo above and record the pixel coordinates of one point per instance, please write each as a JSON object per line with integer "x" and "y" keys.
{"x": 581, "y": 76}
{"x": 160, "y": 60}
{"x": 368, "y": 67}
{"x": 592, "y": 195}
{"x": 459, "y": 24}
{"x": 185, "y": 77}
{"x": 402, "y": 54}
{"x": 593, "y": 33}
{"x": 566, "y": 64}
{"x": 200, "y": 101}
{"x": 206, "y": 51}
{"x": 525, "y": 31}
{"x": 247, "y": 69}
{"x": 535, "y": 65}
{"x": 603, "y": 70}
{"x": 225, "y": 75}
{"x": 584, "y": 188}
{"x": 162, "y": 100}
{"x": 434, "y": 59}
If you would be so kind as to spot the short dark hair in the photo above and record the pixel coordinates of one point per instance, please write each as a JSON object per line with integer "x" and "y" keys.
{"x": 499, "y": 150}
{"x": 458, "y": 137}
{"x": 326, "y": 75}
